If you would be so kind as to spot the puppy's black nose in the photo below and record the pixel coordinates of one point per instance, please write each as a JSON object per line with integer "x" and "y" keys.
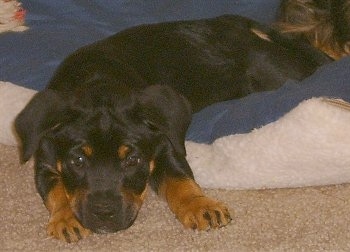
{"x": 104, "y": 212}
{"x": 104, "y": 205}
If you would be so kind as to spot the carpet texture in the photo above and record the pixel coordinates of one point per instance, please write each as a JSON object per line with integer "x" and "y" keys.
{"x": 304, "y": 219}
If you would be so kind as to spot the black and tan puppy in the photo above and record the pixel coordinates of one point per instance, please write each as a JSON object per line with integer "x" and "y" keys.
{"x": 113, "y": 119}
{"x": 325, "y": 24}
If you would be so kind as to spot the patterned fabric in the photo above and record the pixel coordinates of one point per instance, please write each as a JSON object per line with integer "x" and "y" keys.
{"x": 12, "y": 16}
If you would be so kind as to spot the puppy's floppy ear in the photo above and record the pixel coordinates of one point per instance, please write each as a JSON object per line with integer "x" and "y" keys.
{"x": 165, "y": 110}
{"x": 40, "y": 114}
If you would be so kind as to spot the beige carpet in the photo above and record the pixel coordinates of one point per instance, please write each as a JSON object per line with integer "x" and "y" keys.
{"x": 308, "y": 219}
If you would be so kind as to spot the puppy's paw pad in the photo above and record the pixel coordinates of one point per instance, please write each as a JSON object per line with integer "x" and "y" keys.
{"x": 64, "y": 226}
{"x": 203, "y": 213}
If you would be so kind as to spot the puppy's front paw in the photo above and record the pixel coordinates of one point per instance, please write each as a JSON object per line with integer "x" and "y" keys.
{"x": 203, "y": 213}
{"x": 64, "y": 226}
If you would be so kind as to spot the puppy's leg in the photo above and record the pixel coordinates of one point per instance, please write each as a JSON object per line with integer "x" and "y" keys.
{"x": 175, "y": 183}
{"x": 193, "y": 209}
{"x": 63, "y": 224}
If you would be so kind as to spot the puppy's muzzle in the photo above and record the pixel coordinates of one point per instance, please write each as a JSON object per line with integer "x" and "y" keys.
{"x": 107, "y": 212}
{"x": 104, "y": 207}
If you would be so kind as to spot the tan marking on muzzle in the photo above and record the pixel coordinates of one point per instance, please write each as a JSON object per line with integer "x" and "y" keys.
{"x": 151, "y": 166}
{"x": 59, "y": 166}
{"x": 137, "y": 199}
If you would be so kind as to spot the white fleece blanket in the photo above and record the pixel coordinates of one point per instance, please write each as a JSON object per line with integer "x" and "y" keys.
{"x": 308, "y": 146}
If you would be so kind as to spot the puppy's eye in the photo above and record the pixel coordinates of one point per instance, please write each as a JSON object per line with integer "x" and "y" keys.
{"x": 77, "y": 161}
{"x": 132, "y": 161}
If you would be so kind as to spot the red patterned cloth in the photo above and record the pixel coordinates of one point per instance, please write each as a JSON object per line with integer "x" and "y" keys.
{"x": 12, "y": 16}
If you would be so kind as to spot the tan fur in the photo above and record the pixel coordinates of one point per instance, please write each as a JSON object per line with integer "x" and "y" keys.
{"x": 261, "y": 34}
{"x": 87, "y": 149}
{"x": 304, "y": 19}
{"x": 193, "y": 209}
{"x": 62, "y": 219}
{"x": 123, "y": 151}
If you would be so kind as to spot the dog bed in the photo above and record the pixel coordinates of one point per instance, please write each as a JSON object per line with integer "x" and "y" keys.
{"x": 295, "y": 136}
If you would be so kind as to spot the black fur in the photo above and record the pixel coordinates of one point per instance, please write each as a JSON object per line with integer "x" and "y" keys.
{"x": 136, "y": 89}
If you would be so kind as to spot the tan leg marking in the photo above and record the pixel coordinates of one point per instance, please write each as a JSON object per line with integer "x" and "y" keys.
{"x": 194, "y": 210}
{"x": 63, "y": 224}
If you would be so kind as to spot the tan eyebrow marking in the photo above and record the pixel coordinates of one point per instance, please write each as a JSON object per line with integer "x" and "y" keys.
{"x": 123, "y": 151}
{"x": 87, "y": 149}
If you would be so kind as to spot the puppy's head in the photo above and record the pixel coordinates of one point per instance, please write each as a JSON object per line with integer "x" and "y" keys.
{"x": 102, "y": 150}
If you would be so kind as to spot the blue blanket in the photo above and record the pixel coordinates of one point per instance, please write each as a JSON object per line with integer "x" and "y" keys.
{"x": 259, "y": 109}
{"x": 57, "y": 28}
